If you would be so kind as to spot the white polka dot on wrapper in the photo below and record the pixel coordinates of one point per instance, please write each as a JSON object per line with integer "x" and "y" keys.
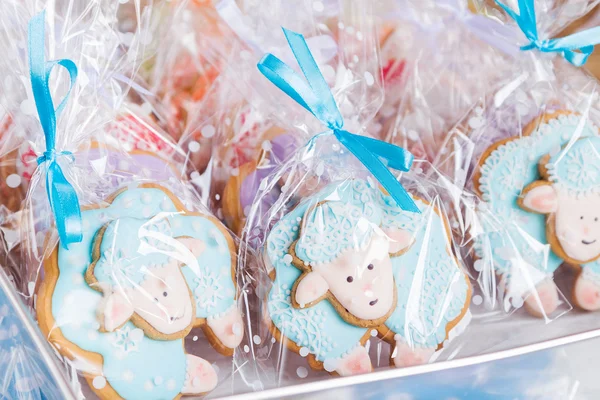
{"x": 369, "y": 78}
{"x": 171, "y": 384}
{"x": 99, "y": 382}
{"x": 13, "y": 181}
{"x": 477, "y": 300}
{"x": 246, "y": 348}
{"x": 330, "y": 365}
{"x": 256, "y": 339}
{"x": 302, "y": 372}
{"x": 208, "y": 131}
{"x": 194, "y": 146}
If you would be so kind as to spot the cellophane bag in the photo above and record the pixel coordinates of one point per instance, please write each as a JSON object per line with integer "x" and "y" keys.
{"x": 255, "y": 134}
{"x": 179, "y": 73}
{"x": 346, "y": 277}
{"x": 526, "y": 157}
{"x": 436, "y": 62}
{"x": 132, "y": 279}
{"x": 441, "y": 58}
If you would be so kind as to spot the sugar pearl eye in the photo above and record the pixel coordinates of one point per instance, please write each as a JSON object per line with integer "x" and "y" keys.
{"x": 371, "y": 266}
{"x": 165, "y": 294}
{"x": 349, "y": 279}
{"x": 581, "y": 217}
{"x": 596, "y": 219}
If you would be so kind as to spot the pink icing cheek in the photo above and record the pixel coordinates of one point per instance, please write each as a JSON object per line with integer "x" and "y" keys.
{"x": 590, "y": 296}
{"x": 542, "y": 202}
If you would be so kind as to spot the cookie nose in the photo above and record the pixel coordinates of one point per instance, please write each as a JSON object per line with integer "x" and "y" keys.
{"x": 368, "y": 287}
{"x": 586, "y": 229}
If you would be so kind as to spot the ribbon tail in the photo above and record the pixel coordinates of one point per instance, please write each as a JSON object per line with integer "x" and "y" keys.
{"x": 65, "y": 204}
{"x": 396, "y": 157}
{"x": 379, "y": 170}
{"x": 288, "y": 81}
{"x": 328, "y": 113}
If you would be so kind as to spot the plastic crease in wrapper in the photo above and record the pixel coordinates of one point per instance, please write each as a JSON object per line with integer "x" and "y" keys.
{"x": 136, "y": 292}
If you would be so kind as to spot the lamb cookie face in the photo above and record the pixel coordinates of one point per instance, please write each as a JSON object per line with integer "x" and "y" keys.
{"x": 121, "y": 302}
{"x": 522, "y": 180}
{"x": 344, "y": 264}
{"x": 569, "y": 196}
{"x": 346, "y": 258}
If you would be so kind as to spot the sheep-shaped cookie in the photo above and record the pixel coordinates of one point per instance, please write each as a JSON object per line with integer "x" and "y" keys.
{"x": 569, "y": 196}
{"x": 348, "y": 263}
{"x": 523, "y": 246}
{"x": 123, "y": 299}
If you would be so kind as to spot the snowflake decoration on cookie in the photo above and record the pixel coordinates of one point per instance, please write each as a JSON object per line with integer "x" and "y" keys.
{"x": 582, "y": 165}
{"x": 512, "y": 174}
{"x": 119, "y": 268}
{"x": 127, "y": 339}
{"x": 209, "y": 290}
{"x": 305, "y": 325}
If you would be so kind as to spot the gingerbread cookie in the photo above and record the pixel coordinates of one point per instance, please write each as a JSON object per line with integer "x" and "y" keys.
{"x": 240, "y": 191}
{"x": 569, "y": 195}
{"x": 522, "y": 178}
{"x": 120, "y": 302}
{"x": 348, "y": 263}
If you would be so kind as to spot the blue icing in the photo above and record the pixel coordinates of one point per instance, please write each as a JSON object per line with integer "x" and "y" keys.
{"x": 512, "y": 235}
{"x": 429, "y": 282}
{"x": 577, "y": 170}
{"x": 23, "y": 370}
{"x": 432, "y": 289}
{"x": 325, "y": 230}
{"x": 135, "y": 365}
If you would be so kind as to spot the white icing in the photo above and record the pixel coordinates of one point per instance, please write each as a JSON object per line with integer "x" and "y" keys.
{"x": 370, "y": 293}
{"x": 578, "y": 225}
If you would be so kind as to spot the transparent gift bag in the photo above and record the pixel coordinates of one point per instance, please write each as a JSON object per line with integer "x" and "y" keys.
{"x": 348, "y": 270}
{"x": 132, "y": 279}
{"x": 257, "y": 135}
{"x": 522, "y": 154}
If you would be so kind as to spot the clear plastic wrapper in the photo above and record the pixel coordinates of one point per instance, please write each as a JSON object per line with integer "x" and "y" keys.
{"x": 441, "y": 58}
{"x": 28, "y": 369}
{"x": 348, "y": 276}
{"x": 525, "y": 156}
{"x": 256, "y": 135}
{"x": 132, "y": 279}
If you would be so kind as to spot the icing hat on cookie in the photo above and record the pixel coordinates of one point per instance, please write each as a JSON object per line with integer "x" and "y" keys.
{"x": 577, "y": 169}
{"x": 332, "y": 227}
{"x": 131, "y": 247}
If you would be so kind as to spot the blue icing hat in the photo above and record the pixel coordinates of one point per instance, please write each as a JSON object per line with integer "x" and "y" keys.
{"x": 577, "y": 168}
{"x": 130, "y": 248}
{"x": 332, "y": 227}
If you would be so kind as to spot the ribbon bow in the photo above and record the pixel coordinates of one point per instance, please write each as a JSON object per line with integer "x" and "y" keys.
{"x": 582, "y": 41}
{"x": 61, "y": 194}
{"x": 316, "y": 97}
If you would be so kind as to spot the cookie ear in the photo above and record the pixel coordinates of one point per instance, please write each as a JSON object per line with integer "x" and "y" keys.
{"x": 115, "y": 311}
{"x": 541, "y": 199}
{"x": 400, "y": 240}
{"x": 311, "y": 288}
{"x": 196, "y": 246}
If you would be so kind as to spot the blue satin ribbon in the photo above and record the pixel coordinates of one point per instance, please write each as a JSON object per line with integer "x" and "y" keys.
{"x": 61, "y": 194}
{"x": 583, "y": 41}
{"x": 316, "y": 97}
